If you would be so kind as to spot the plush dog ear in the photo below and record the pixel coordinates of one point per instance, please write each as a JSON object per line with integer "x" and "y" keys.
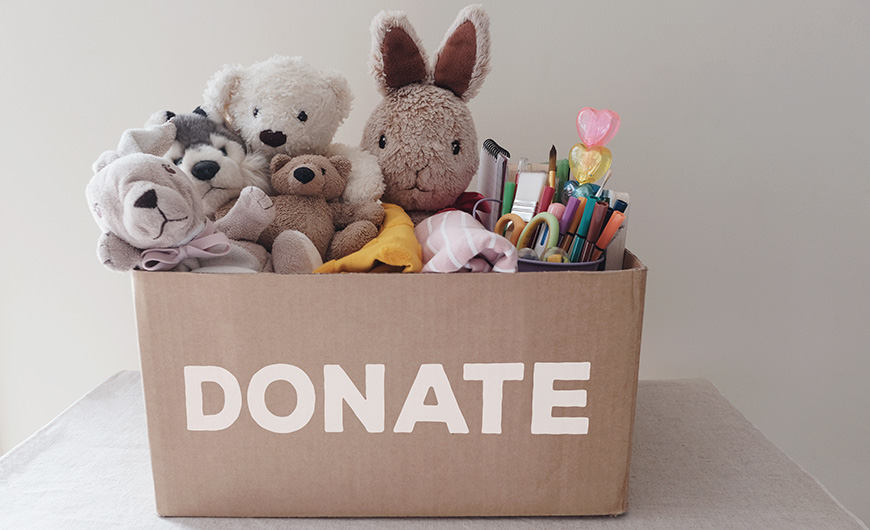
{"x": 152, "y": 140}
{"x": 220, "y": 90}
{"x": 105, "y": 159}
{"x": 160, "y": 117}
{"x": 278, "y": 161}
{"x": 397, "y": 56}
{"x": 462, "y": 60}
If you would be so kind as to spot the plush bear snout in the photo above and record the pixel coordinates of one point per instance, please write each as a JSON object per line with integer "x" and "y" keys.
{"x": 273, "y": 138}
{"x": 147, "y": 200}
{"x": 303, "y": 174}
{"x": 205, "y": 169}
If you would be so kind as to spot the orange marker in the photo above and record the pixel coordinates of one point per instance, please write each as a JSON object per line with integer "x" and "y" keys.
{"x": 607, "y": 234}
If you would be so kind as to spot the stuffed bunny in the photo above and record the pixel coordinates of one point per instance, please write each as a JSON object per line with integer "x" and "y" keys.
{"x": 152, "y": 219}
{"x": 422, "y": 131}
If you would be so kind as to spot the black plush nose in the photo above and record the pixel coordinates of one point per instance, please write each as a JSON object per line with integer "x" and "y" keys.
{"x": 147, "y": 200}
{"x": 273, "y": 138}
{"x": 303, "y": 175}
{"x": 205, "y": 170}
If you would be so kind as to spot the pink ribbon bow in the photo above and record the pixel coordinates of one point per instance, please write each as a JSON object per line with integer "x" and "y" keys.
{"x": 208, "y": 244}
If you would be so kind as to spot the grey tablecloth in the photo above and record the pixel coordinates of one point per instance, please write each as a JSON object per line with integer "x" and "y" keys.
{"x": 697, "y": 463}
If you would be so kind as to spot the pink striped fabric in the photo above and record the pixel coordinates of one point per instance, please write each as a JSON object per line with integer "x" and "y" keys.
{"x": 454, "y": 241}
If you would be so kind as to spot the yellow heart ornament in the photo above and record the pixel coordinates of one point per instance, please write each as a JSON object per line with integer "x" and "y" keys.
{"x": 589, "y": 164}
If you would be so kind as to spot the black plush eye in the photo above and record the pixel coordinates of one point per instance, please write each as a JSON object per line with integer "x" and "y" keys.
{"x": 224, "y": 151}
{"x": 382, "y": 143}
{"x": 177, "y": 161}
{"x": 302, "y": 116}
{"x": 456, "y": 147}
{"x": 256, "y": 111}
{"x": 323, "y": 171}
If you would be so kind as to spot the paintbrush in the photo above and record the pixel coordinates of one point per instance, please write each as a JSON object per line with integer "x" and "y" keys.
{"x": 551, "y": 176}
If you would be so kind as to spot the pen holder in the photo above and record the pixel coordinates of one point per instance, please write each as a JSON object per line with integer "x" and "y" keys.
{"x": 528, "y": 265}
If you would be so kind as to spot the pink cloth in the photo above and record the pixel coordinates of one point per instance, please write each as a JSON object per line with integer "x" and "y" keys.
{"x": 208, "y": 244}
{"x": 454, "y": 241}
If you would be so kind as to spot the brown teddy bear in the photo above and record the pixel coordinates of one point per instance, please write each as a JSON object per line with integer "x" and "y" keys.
{"x": 308, "y": 188}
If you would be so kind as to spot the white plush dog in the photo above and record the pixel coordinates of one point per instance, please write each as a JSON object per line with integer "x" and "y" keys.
{"x": 151, "y": 218}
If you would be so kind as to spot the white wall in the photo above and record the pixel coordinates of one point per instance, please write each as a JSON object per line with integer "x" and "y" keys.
{"x": 743, "y": 145}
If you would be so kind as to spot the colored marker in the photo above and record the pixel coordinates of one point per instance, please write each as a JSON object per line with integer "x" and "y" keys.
{"x": 607, "y": 234}
{"x": 575, "y": 222}
{"x": 582, "y": 229}
{"x": 595, "y": 227}
{"x": 508, "y": 199}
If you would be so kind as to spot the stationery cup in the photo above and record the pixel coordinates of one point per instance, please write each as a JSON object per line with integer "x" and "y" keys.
{"x": 527, "y": 265}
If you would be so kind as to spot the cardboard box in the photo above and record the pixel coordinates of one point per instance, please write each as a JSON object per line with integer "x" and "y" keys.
{"x": 393, "y": 395}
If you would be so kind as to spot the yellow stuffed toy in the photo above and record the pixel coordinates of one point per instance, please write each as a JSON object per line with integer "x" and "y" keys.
{"x": 395, "y": 249}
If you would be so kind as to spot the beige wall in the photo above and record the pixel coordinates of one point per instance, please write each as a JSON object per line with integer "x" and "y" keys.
{"x": 744, "y": 146}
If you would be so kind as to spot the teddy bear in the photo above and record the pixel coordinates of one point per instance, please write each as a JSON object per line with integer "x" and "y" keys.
{"x": 284, "y": 105}
{"x": 422, "y": 131}
{"x": 216, "y": 159}
{"x": 308, "y": 187}
{"x": 152, "y": 219}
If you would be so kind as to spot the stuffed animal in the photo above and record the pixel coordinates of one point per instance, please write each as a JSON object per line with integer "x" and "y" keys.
{"x": 152, "y": 219}
{"x": 215, "y": 158}
{"x": 283, "y": 105}
{"x": 308, "y": 187}
{"x": 422, "y": 131}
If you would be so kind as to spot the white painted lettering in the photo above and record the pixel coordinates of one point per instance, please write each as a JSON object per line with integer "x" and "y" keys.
{"x": 194, "y": 377}
{"x": 493, "y": 376}
{"x": 544, "y": 398}
{"x": 304, "y": 410}
{"x": 339, "y": 389}
{"x": 446, "y": 411}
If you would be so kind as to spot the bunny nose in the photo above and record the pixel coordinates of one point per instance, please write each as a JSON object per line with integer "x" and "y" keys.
{"x": 303, "y": 175}
{"x": 205, "y": 170}
{"x": 147, "y": 200}
{"x": 273, "y": 138}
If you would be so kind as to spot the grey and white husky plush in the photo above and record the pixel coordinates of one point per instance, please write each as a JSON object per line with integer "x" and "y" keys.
{"x": 213, "y": 157}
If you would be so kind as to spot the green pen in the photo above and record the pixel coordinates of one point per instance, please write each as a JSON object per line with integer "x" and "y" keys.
{"x": 582, "y": 230}
{"x": 563, "y": 171}
{"x": 507, "y": 202}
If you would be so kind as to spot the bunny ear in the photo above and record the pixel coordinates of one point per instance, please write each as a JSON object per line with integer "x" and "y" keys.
{"x": 220, "y": 90}
{"x": 153, "y": 140}
{"x": 462, "y": 61}
{"x": 398, "y": 58}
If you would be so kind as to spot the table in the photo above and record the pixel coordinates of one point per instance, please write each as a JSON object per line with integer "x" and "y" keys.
{"x": 696, "y": 463}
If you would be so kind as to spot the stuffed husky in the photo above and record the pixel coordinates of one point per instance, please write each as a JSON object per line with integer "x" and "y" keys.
{"x": 214, "y": 157}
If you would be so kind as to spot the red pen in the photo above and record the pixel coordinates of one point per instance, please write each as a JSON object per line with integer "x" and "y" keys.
{"x": 545, "y": 199}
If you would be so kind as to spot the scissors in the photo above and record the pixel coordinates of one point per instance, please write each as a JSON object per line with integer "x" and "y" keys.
{"x": 510, "y": 219}
{"x": 530, "y": 229}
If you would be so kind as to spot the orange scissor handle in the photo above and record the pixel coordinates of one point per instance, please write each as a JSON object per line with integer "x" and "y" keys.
{"x": 504, "y": 221}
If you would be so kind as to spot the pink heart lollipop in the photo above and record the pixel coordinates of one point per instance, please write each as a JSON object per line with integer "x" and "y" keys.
{"x": 597, "y": 127}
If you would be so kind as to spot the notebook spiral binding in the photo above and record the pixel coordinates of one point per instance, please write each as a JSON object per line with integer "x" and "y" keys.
{"x": 494, "y": 149}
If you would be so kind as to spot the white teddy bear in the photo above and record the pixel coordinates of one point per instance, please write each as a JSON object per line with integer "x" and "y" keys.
{"x": 284, "y": 105}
